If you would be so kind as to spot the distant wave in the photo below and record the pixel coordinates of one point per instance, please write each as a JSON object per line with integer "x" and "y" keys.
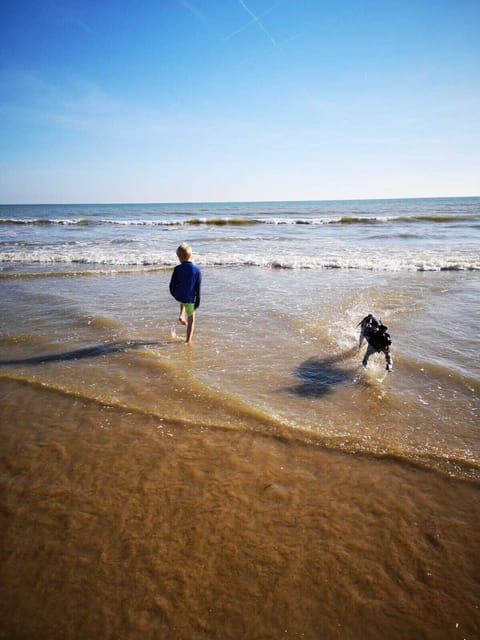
{"x": 367, "y": 219}
{"x": 222, "y": 221}
{"x": 41, "y": 221}
{"x": 245, "y": 221}
{"x": 219, "y": 221}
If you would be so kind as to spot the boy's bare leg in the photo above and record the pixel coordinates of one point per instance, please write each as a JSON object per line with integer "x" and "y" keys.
{"x": 181, "y": 317}
{"x": 190, "y": 328}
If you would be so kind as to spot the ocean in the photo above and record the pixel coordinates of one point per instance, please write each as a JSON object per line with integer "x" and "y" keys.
{"x": 259, "y": 483}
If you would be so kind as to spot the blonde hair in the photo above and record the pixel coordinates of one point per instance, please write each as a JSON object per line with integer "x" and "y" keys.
{"x": 184, "y": 251}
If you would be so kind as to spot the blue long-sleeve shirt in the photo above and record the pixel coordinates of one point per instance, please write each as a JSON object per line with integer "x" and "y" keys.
{"x": 186, "y": 282}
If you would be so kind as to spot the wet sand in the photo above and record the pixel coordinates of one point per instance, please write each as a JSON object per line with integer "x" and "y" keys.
{"x": 115, "y": 524}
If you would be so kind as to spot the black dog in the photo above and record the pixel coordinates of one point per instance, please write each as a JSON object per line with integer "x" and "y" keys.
{"x": 378, "y": 339}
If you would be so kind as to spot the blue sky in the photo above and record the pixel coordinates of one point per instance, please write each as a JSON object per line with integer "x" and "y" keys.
{"x": 218, "y": 100}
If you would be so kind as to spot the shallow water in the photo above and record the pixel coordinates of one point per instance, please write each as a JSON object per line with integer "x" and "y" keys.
{"x": 283, "y": 345}
{"x": 256, "y": 485}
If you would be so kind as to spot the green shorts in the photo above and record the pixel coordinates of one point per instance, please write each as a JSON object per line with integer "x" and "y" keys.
{"x": 189, "y": 308}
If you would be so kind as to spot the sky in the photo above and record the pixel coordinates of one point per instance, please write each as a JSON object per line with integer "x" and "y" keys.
{"x": 238, "y": 100}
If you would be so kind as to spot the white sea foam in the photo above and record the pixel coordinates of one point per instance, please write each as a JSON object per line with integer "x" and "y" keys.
{"x": 112, "y": 255}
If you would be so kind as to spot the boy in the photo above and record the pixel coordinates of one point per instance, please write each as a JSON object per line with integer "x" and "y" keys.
{"x": 185, "y": 286}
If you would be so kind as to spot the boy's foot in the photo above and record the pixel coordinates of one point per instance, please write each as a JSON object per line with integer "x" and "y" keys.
{"x": 182, "y": 320}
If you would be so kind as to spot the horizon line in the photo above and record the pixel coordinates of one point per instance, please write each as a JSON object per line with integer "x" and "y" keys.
{"x": 196, "y": 202}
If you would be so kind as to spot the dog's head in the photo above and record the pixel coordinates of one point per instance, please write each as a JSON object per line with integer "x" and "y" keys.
{"x": 368, "y": 321}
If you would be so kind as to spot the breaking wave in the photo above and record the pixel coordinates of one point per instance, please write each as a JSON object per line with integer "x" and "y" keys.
{"x": 245, "y": 220}
{"x": 373, "y": 261}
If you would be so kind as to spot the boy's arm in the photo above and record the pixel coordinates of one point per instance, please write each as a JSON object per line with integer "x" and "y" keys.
{"x": 173, "y": 283}
{"x": 198, "y": 286}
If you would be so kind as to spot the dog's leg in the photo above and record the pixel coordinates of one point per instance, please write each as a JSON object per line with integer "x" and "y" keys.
{"x": 361, "y": 339}
{"x": 367, "y": 355}
{"x": 388, "y": 361}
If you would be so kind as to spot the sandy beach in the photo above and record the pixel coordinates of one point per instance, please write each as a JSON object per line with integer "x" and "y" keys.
{"x": 148, "y": 530}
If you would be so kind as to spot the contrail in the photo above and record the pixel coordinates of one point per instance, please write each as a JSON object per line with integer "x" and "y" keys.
{"x": 193, "y": 10}
{"x": 256, "y": 19}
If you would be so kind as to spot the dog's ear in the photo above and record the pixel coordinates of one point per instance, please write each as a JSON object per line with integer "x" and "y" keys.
{"x": 365, "y": 320}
